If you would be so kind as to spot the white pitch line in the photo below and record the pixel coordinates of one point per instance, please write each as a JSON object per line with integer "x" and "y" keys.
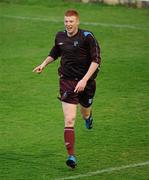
{"x": 85, "y": 23}
{"x": 32, "y": 18}
{"x": 108, "y": 170}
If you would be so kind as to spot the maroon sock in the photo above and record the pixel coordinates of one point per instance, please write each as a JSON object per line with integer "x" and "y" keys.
{"x": 69, "y": 139}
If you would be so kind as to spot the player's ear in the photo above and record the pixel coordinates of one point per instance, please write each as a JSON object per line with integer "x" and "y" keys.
{"x": 78, "y": 22}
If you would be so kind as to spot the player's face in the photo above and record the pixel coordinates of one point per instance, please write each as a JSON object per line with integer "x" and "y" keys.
{"x": 71, "y": 24}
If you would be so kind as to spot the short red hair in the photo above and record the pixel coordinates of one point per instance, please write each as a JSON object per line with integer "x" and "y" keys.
{"x": 72, "y": 12}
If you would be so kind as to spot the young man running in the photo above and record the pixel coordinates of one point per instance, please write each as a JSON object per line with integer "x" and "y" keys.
{"x": 80, "y": 60}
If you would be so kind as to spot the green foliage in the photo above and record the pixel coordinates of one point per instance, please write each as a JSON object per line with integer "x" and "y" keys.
{"x": 31, "y": 119}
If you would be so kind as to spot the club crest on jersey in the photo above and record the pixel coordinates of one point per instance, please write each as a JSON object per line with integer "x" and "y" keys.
{"x": 76, "y": 43}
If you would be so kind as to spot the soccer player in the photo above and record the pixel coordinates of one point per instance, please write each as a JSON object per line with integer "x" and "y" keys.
{"x": 79, "y": 65}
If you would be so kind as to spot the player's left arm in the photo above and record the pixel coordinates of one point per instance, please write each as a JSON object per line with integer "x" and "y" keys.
{"x": 82, "y": 83}
{"x": 94, "y": 51}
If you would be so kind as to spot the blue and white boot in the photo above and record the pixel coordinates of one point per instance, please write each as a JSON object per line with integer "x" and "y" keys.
{"x": 71, "y": 161}
{"x": 89, "y": 122}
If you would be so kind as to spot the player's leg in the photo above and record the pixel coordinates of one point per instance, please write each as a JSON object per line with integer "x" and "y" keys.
{"x": 86, "y": 100}
{"x": 69, "y": 111}
{"x": 87, "y": 116}
{"x": 85, "y": 111}
{"x": 69, "y": 104}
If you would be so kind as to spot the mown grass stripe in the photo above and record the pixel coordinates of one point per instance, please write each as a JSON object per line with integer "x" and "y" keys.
{"x": 82, "y": 22}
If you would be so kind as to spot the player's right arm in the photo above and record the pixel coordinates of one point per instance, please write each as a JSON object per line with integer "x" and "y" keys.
{"x": 40, "y": 68}
{"x": 53, "y": 55}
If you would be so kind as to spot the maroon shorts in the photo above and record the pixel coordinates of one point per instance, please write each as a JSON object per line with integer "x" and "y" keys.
{"x": 68, "y": 95}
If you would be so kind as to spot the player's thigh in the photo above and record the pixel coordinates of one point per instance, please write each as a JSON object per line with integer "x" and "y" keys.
{"x": 69, "y": 111}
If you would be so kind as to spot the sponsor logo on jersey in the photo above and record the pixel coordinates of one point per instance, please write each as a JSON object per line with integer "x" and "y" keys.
{"x": 60, "y": 43}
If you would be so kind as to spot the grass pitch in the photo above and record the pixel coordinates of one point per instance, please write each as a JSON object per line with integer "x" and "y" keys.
{"x": 31, "y": 120}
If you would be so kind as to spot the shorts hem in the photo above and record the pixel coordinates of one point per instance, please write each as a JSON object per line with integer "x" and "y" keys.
{"x": 75, "y": 103}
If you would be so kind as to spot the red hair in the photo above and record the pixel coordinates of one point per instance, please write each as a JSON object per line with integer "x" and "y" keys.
{"x": 72, "y": 12}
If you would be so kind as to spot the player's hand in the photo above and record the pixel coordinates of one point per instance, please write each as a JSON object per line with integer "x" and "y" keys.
{"x": 38, "y": 69}
{"x": 80, "y": 86}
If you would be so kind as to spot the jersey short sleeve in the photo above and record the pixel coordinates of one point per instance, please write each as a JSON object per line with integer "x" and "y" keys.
{"x": 55, "y": 51}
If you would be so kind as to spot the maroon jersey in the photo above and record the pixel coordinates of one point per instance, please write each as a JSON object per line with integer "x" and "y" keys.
{"x": 76, "y": 54}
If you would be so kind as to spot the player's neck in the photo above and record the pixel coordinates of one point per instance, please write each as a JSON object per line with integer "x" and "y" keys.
{"x": 73, "y": 33}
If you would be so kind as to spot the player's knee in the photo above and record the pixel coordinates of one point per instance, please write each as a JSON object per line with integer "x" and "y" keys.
{"x": 85, "y": 111}
{"x": 69, "y": 121}
{"x": 85, "y": 114}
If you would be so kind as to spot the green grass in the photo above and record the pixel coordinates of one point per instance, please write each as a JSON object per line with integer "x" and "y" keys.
{"x": 31, "y": 120}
